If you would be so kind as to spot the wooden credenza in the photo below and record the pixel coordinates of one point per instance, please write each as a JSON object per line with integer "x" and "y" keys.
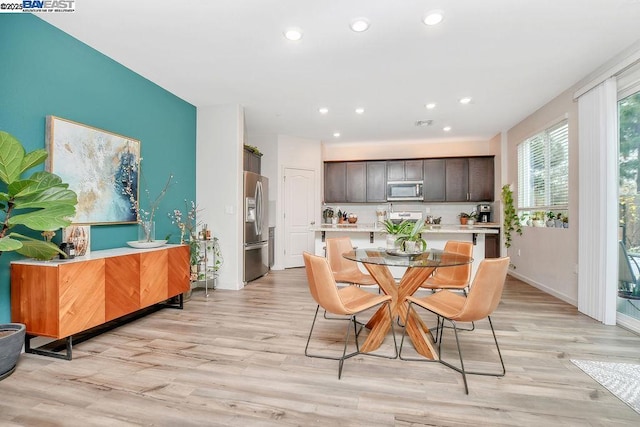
{"x": 58, "y": 299}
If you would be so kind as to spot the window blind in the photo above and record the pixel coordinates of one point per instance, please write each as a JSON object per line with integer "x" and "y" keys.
{"x": 543, "y": 170}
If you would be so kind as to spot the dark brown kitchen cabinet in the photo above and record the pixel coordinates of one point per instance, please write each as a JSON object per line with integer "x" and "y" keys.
{"x": 335, "y": 182}
{"x": 492, "y": 245}
{"x": 377, "y": 181}
{"x": 469, "y": 179}
{"x": 434, "y": 180}
{"x": 457, "y": 180}
{"x": 404, "y": 170}
{"x": 481, "y": 179}
{"x": 252, "y": 161}
{"x": 356, "y": 182}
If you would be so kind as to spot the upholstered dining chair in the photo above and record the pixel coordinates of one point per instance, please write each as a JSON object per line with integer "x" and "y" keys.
{"x": 345, "y": 270}
{"x": 482, "y": 300}
{"x": 452, "y": 277}
{"x": 455, "y": 278}
{"x": 348, "y": 301}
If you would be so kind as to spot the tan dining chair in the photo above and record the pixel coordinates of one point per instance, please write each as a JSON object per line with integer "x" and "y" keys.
{"x": 349, "y": 301}
{"x": 454, "y": 278}
{"x": 344, "y": 270}
{"x": 457, "y": 277}
{"x": 482, "y": 300}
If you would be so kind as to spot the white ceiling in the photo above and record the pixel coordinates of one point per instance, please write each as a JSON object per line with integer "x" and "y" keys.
{"x": 511, "y": 56}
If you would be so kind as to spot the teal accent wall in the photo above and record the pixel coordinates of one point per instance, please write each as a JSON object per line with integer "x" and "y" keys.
{"x": 44, "y": 71}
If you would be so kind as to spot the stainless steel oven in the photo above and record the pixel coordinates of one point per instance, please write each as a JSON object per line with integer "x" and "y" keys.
{"x": 404, "y": 190}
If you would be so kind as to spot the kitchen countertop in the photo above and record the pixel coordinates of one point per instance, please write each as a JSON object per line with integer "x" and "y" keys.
{"x": 483, "y": 228}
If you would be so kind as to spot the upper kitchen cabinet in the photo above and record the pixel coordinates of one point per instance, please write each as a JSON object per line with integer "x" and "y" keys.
{"x": 481, "y": 179}
{"x": 457, "y": 180}
{"x": 404, "y": 170}
{"x": 252, "y": 160}
{"x": 377, "y": 181}
{"x": 356, "y": 182}
{"x": 434, "y": 180}
{"x": 335, "y": 182}
{"x": 469, "y": 179}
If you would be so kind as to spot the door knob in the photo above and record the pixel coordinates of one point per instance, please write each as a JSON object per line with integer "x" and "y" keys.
{"x": 313, "y": 223}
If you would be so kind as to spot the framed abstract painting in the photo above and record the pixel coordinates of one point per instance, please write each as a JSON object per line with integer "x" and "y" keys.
{"x": 100, "y": 166}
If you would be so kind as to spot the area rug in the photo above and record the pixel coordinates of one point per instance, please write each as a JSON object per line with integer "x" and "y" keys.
{"x": 621, "y": 379}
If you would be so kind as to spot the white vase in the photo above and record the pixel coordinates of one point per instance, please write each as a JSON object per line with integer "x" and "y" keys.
{"x": 391, "y": 242}
{"x": 146, "y": 231}
{"x": 410, "y": 246}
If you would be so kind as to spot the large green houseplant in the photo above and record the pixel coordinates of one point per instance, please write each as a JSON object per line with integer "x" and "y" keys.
{"x": 40, "y": 202}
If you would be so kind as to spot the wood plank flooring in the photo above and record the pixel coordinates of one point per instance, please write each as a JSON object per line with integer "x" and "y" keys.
{"x": 237, "y": 359}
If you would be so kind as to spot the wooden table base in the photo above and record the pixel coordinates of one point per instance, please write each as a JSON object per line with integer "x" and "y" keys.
{"x": 379, "y": 323}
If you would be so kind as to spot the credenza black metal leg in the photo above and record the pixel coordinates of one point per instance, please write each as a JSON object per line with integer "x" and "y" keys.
{"x": 50, "y": 349}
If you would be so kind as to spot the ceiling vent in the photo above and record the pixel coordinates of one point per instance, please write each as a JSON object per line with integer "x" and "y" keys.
{"x": 424, "y": 122}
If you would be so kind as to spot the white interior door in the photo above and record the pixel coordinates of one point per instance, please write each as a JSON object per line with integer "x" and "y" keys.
{"x": 299, "y": 210}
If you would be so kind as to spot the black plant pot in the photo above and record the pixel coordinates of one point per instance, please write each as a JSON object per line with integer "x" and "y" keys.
{"x": 11, "y": 341}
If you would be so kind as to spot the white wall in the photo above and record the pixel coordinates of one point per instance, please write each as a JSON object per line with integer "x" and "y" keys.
{"x": 383, "y": 150}
{"x": 219, "y": 165}
{"x": 547, "y": 257}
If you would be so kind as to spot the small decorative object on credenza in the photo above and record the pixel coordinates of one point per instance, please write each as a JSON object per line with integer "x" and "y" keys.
{"x": 80, "y": 236}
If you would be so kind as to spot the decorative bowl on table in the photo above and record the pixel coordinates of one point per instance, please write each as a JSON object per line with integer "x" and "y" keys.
{"x": 146, "y": 245}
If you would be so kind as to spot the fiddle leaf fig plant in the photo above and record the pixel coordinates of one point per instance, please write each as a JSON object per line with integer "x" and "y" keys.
{"x": 40, "y": 202}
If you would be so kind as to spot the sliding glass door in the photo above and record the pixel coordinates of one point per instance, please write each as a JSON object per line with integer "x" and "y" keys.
{"x": 628, "y": 304}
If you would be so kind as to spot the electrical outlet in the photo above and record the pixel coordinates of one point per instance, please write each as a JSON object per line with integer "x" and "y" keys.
{"x": 518, "y": 252}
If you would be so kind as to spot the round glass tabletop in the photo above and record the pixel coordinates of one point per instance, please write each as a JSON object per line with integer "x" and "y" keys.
{"x": 428, "y": 258}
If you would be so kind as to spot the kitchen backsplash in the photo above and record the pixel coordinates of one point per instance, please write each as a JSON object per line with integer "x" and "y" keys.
{"x": 449, "y": 212}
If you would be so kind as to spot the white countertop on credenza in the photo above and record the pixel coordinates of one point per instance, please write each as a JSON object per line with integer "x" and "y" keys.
{"x": 93, "y": 255}
{"x": 485, "y": 228}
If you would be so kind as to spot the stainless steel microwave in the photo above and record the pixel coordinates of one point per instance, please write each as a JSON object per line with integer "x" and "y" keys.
{"x": 404, "y": 190}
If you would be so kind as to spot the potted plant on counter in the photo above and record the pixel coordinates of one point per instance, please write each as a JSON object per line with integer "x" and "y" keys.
{"x": 40, "y": 202}
{"x": 464, "y": 218}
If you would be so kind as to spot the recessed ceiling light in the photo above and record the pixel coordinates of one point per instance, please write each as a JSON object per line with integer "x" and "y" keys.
{"x": 336, "y": 134}
{"x": 359, "y": 25}
{"x": 293, "y": 34}
{"x": 433, "y": 17}
{"x": 446, "y": 128}
{"x": 323, "y": 110}
{"x": 430, "y": 106}
{"x": 359, "y": 110}
{"x": 465, "y": 100}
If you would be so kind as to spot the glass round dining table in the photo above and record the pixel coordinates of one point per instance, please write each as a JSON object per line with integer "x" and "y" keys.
{"x": 418, "y": 269}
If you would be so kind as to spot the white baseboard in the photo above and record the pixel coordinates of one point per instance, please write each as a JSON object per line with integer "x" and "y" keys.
{"x": 544, "y": 288}
{"x": 628, "y": 322}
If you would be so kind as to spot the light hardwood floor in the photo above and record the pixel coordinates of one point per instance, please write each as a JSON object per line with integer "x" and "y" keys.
{"x": 237, "y": 359}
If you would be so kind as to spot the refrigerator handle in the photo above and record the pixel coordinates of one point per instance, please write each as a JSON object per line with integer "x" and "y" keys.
{"x": 258, "y": 223}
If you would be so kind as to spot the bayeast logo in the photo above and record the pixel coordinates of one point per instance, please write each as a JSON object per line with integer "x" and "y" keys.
{"x": 48, "y": 6}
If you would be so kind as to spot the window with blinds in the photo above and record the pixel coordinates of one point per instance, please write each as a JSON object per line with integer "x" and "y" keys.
{"x": 543, "y": 170}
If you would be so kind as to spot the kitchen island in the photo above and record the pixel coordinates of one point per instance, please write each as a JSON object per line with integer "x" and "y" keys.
{"x": 436, "y": 236}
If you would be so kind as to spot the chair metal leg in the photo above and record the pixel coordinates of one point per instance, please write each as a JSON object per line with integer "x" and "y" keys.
{"x": 460, "y": 369}
{"x": 352, "y": 320}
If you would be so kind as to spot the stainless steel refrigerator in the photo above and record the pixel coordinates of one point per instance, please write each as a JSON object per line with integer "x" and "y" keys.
{"x": 256, "y": 226}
